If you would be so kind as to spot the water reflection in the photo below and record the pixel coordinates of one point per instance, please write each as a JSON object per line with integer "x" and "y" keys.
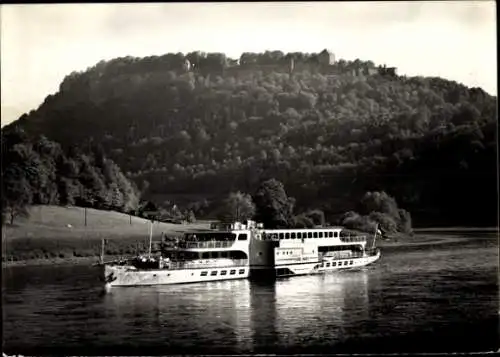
{"x": 313, "y": 309}
{"x": 212, "y": 314}
{"x": 242, "y": 315}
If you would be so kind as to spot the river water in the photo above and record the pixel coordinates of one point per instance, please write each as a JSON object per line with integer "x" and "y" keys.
{"x": 434, "y": 297}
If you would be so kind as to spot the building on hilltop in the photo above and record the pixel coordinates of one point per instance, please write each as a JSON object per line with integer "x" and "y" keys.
{"x": 326, "y": 57}
{"x": 390, "y": 71}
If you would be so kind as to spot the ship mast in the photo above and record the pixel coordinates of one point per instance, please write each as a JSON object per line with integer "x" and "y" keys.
{"x": 150, "y": 236}
{"x": 375, "y": 236}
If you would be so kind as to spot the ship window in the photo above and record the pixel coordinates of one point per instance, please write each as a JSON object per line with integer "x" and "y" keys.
{"x": 350, "y": 262}
{"x": 309, "y": 235}
{"x": 327, "y": 265}
{"x": 282, "y": 235}
{"x": 232, "y": 272}
{"x": 315, "y": 234}
{"x": 213, "y": 254}
{"x": 214, "y": 272}
{"x": 334, "y": 264}
{"x": 336, "y": 234}
{"x": 242, "y": 236}
{"x": 321, "y": 234}
{"x": 204, "y": 273}
{"x": 223, "y": 254}
{"x": 293, "y": 235}
{"x": 242, "y": 271}
{"x": 223, "y": 272}
{"x": 330, "y": 234}
{"x": 287, "y": 235}
{"x": 205, "y": 255}
{"x": 299, "y": 235}
{"x": 345, "y": 263}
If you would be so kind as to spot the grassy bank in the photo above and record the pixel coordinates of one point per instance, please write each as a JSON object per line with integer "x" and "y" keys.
{"x": 58, "y": 235}
{"x": 62, "y": 233}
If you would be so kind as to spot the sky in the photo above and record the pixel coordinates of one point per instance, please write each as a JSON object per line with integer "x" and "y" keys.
{"x": 42, "y": 43}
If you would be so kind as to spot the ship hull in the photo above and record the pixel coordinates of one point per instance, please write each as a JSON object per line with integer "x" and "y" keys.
{"x": 128, "y": 276}
{"x": 286, "y": 270}
{"x": 347, "y": 263}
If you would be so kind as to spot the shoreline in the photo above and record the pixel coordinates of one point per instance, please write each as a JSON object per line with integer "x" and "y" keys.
{"x": 51, "y": 261}
{"x": 420, "y": 238}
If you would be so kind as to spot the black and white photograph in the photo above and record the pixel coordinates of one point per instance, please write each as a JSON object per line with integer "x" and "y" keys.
{"x": 249, "y": 178}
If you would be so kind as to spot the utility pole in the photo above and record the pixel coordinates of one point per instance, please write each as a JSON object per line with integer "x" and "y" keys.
{"x": 102, "y": 251}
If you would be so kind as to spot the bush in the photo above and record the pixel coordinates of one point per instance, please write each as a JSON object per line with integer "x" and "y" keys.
{"x": 317, "y": 216}
{"x": 386, "y": 222}
{"x": 302, "y": 221}
{"x": 378, "y": 208}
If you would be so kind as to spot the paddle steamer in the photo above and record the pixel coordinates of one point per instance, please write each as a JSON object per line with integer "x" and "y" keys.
{"x": 239, "y": 251}
{"x": 288, "y": 252}
{"x": 221, "y": 254}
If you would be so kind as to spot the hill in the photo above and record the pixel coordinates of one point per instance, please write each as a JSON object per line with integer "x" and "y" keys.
{"x": 193, "y": 131}
{"x": 54, "y": 231}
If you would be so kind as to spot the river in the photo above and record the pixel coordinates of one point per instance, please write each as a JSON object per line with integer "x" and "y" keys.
{"x": 433, "y": 297}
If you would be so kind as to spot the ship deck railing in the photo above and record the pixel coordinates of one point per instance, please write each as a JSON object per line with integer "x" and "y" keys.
{"x": 205, "y": 263}
{"x": 351, "y": 239}
{"x": 202, "y": 245}
{"x": 274, "y": 237}
{"x": 343, "y": 256}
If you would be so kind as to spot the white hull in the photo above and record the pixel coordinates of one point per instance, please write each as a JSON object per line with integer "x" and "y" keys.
{"x": 346, "y": 263}
{"x": 325, "y": 266}
{"x": 127, "y": 276}
{"x": 295, "y": 269}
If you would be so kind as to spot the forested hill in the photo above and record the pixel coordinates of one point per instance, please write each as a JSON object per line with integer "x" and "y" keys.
{"x": 330, "y": 132}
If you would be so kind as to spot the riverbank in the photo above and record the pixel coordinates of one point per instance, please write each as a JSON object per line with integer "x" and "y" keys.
{"x": 64, "y": 235}
{"x": 418, "y": 239}
{"x": 52, "y": 261}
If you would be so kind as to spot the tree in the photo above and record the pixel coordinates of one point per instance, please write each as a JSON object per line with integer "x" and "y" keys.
{"x": 379, "y": 202}
{"x": 190, "y": 217}
{"x": 16, "y": 197}
{"x": 302, "y": 221}
{"x": 317, "y": 217}
{"x": 273, "y": 207}
{"x": 378, "y": 208}
{"x": 238, "y": 207}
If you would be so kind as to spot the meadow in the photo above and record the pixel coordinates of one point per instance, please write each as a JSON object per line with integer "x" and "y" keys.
{"x": 63, "y": 232}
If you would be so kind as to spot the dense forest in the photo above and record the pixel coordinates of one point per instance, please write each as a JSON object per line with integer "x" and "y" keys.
{"x": 40, "y": 172}
{"x": 191, "y": 132}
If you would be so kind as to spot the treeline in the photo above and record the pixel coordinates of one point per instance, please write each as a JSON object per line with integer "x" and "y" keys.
{"x": 271, "y": 206}
{"x": 429, "y": 142}
{"x": 40, "y": 172}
